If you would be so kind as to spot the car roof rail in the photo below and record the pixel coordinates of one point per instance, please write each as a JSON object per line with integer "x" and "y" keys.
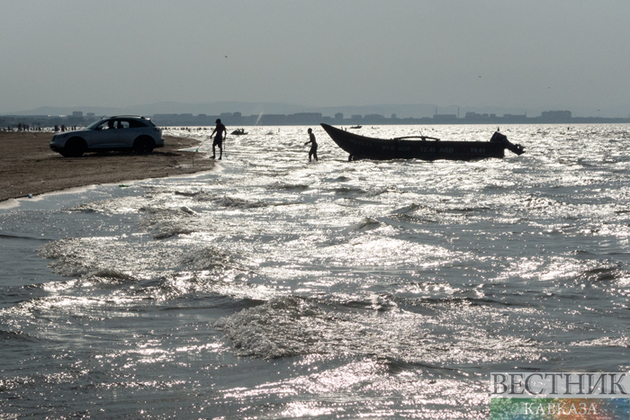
{"x": 128, "y": 116}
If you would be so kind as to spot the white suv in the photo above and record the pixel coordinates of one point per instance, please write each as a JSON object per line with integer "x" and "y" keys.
{"x": 128, "y": 132}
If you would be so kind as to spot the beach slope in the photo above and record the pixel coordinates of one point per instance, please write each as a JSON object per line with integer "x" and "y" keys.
{"x": 28, "y": 166}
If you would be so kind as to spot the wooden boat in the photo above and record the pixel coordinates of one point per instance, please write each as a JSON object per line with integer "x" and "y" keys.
{"x": 420, "y": 147}
{"x": 239, "y": 132}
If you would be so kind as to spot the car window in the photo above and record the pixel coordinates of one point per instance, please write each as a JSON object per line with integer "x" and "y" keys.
{"x": 106, "y": 125}
{"x": 136, "y": 124}
{"x": 122, "y": 124}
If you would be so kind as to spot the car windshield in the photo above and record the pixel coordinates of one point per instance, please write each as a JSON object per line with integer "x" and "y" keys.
{"x": 94, "y": 125}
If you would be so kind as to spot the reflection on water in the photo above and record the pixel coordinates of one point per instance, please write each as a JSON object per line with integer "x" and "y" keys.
{"x": 280, "y": 288}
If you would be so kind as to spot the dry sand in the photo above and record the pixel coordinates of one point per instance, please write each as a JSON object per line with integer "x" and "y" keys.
{"x": 28, "y": 166}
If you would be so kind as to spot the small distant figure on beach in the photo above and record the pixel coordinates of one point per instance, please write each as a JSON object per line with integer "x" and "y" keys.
{"x": 313, "y": 152}
{"x": 218, "y": 139}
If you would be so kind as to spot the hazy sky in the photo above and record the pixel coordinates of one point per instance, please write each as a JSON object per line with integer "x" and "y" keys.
{"x": 527, "y": 53}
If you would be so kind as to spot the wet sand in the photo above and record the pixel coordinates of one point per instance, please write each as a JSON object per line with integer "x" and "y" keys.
{"x": 28, "y": 166}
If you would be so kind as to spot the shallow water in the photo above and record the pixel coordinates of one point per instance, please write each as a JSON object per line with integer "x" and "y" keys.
{"x": 276, "y": 288}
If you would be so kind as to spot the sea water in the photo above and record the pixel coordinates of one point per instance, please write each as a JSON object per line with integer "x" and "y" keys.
{"x": 274, "y": 288}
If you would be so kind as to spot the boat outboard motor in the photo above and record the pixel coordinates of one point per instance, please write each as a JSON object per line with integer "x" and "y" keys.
{"x": 515, "y": 148}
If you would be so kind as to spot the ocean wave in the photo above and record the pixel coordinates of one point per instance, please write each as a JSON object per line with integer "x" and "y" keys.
{"x": 367, "y": 224}
{"x": 120, "y": 205}
{"x": 15, "y": 336}
{"x": 623, "y": 342}
{"x": 65, "y": 263}
{"x": 240, "y": 203}
{"x": 165, "y": 232}
{"x": 411, "y": 208}
{"x": 292, "y": 326}
{"x": 35, "y": 380}
{"x": 108, "y": 275}
{"x": 106, "y": 256}
{"x": 414, "y": 213}
{"x": 166, "y": 222}
{"x": 604, "y": 274}
{"x": 539, "y": 202}
{"x": 218, "y": 291}
{"x": 21, "y": 237}
{"x": 410, "y": 218}
{"x": 380, "y": 191}
{"x": 349, "y": 191}
{"x": 210, "y": 258}
{"x": 464, "y": 209}
{"x": 287, "y": 187}
{"x": 341, "y": 178}
{"x": 280, "y": 328}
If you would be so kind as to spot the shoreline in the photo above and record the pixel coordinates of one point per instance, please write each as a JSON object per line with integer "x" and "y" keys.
{"x": 29, "y": 167}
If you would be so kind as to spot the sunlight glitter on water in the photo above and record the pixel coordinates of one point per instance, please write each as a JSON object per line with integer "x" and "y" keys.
{"x": 272, "y": 287}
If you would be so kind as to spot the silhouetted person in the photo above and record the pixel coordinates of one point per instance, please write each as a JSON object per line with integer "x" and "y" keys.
{"x": 218, "y": 139}
{"x": 313, "y": 152}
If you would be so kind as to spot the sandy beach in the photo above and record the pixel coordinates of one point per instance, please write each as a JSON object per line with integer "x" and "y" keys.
{"x": 28, "y": 166}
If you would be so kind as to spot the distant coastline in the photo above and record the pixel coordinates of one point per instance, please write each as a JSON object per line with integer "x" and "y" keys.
{"x": 78, "y": 119}
{"x": 313, "y": 118}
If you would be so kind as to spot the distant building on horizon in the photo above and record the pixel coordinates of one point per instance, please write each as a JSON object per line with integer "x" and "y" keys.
{"x": 556, "y": 115}
{"x": 445, "y": 117}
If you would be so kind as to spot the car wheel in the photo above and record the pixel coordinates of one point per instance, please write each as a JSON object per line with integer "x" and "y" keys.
{"x": 75, "y": 147}
{"x": 143, "y": 145}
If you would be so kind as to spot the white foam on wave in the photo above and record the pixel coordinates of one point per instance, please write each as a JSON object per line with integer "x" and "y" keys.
{"x": 17, "y": 202}
{"x": 9, "y": 204}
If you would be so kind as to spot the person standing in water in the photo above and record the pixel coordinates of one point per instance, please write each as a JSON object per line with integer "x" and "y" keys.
{"x": 218, "y": 139}
{"x": 313, "y": 152}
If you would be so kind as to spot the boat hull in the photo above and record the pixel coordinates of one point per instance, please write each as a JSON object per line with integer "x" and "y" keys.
{"x": 361, "y": 147}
